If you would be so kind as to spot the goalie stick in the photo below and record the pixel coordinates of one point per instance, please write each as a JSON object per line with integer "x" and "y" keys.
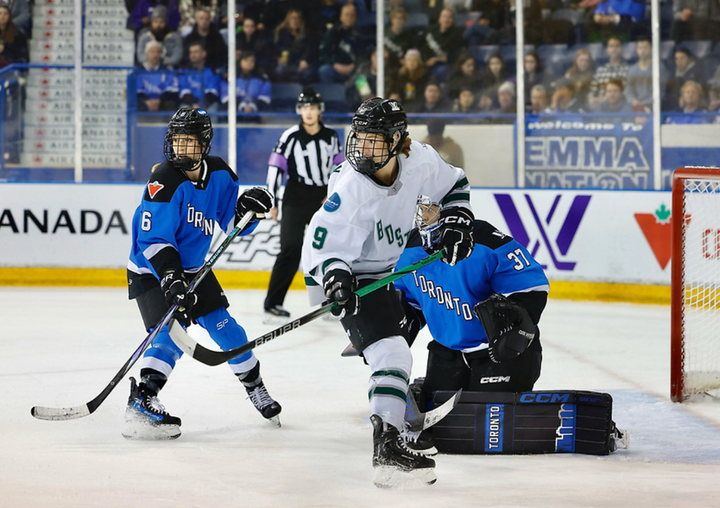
{"x": 210, "y": 357}
{"x": 71, "y": 413}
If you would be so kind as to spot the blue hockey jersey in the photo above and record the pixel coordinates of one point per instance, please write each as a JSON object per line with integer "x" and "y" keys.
{"x": 447, "y": 294}
{"x": 176, "y": 213}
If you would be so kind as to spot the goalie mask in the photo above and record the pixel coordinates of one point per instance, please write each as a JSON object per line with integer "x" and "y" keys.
{"x": 427, "y": 221}
{"x": 377, "y": 133}
{"x": 187, "y": 141}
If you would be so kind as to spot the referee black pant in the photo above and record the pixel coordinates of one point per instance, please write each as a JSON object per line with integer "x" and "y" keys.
{"x": 300, "y": 202}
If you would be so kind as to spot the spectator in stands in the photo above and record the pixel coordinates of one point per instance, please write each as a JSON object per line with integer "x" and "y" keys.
{"x": 199, "y": 85}
{"x": 615, "y": 101}
{"x": 158, "y": 30}
{"x": 398, "y": 39}
{"x": 538, "y": 100}
{"x": 140, "y": 15}
{"x": 275, "y": 12}
{"x": 695, "y": 20}
{"x": 639, "y": 80}
{"x": 563, "y": 99}
{"x": 324, "y": 18}
{"x": 253, "y": 88}
{"x": 448, "y": 149}
{"x": 157, "y": 87}
{"x": 207, "y": 33}
{"x": 411, "y": 79}
{"x": 495, "y": 17}
{"x": 432, "y": 9}
{"x": 581, "y": 74}
{"x": 466, "y": 102}
{"x": 691, "y": 102}
{"x": 13, "y": 43}
{"x": 534, "y": 73}
{"x": 686, "y": 69}
{"x": 441, "y": 44}
{"x": 617, "y": 18}
{"x": 188, "y": 8}
{"x": 433, "y": 101}
{"x": 506, "y": 104}
{"x": 363, "y": 84}
{"x": 494, "y": 76}
{"x": 20, "y": 15}
{"x": 295, "y": 50}
{"x": 616, "y": 67}
{"x": 250, "y": 38}
{"x": 465, "y": 75}
{"x": 340, "y": 48}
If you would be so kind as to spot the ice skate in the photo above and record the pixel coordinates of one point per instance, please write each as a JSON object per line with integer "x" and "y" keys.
{"x": 146, "y": 418}
{"x": 619, "y": 439}
{"x": 264, "y": 403}
{"x": 395, "y": 464}
{"x": 422, "y": 443}
{"x": 276, "y": 315}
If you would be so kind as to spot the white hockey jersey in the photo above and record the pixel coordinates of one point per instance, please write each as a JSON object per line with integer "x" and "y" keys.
{"x": 363, "y": 226}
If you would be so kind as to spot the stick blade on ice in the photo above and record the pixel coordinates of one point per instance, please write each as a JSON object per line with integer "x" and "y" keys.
{"x": 59, "y": 413}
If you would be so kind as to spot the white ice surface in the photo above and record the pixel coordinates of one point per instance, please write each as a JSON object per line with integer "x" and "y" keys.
{"x": 60, "y": 347}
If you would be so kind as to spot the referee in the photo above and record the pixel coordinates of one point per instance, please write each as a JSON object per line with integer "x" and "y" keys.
{"x": 307, "y": 153}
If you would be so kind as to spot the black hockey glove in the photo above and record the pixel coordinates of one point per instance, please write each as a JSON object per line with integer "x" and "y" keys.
{"x": 508, "y": 327}
{"x": 175, "y": 290}
{"x": 456, "y": 239}
{"x": 257, "y": 200}
{"x": 339, "y": 288}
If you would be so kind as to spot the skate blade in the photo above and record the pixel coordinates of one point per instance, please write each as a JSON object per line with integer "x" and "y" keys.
{"x": 388, "y": 477}
{"x": 275, "y": 420}
{"x": 144, "y": 432}
{"x": 271, "y": 319}
{"x": 622, "y": 442}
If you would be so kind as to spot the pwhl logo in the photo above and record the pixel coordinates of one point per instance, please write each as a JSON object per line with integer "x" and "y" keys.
{"x": 539, "y": 231}
{"x": 656, "y": 228}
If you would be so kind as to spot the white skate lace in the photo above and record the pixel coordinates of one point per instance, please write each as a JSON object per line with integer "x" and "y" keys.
{"x": 260, "y": 397}
{"x": 155, "y": 404}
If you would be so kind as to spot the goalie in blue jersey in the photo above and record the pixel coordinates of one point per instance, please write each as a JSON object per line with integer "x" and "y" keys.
{"x": 172, "y": 232}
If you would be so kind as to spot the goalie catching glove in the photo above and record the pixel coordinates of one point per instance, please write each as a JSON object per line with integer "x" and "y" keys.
{"x": 175, "y": 289}
{"x": 339, "y": 286}
{"x": 456, "y": 239}
{"x": 508, "y": 327}
{"x": 257, "y": 200}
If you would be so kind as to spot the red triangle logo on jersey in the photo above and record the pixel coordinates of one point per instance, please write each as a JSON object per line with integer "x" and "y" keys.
{"x": 154, "y": 188}
{"x": 656, "y": 228}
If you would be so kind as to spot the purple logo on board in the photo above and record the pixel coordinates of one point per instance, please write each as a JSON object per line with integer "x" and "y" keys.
{"x": 557, "y": 247}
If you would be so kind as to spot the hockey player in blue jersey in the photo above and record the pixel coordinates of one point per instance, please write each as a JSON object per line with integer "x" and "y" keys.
{"x": 172, "y": 233}
{"x": 500, "y": 286}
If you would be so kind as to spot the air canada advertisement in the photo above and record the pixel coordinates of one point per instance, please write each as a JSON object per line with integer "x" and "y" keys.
{"x": 576, "y": 235}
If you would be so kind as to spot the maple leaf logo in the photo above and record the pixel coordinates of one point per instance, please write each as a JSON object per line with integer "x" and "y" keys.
{"x": 656, "y": 228}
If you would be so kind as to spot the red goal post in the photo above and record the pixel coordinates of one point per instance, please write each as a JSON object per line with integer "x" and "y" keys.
{"x": 695, "y": 282}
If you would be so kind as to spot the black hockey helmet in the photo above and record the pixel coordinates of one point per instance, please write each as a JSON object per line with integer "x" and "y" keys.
{"x": 190, "y": 121}
{"x": 309, "y": 97}
{"x": 376, "y": 116}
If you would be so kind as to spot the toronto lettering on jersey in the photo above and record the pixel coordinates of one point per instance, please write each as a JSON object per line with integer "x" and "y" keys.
{"x": 198, "y": 220}
{"x": 84, "y": 222}
{"x": 444, "y": 298}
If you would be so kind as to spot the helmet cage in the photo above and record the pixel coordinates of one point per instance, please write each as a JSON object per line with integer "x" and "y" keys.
{"x": 191, "y": 122}
{"x": 427, "y": 222}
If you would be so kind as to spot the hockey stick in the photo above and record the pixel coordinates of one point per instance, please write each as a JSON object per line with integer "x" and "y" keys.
{"x": 210, "y": 357}
{"x": 71, "y": 413}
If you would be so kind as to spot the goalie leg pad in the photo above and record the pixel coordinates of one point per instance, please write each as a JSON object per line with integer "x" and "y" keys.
{"x": 527, "y": 423}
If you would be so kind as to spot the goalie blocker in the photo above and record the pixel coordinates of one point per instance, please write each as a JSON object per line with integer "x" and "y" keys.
{"x": 527, "y": 423}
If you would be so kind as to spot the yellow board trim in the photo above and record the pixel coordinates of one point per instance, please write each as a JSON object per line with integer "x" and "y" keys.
{"x": 100, "y": 277}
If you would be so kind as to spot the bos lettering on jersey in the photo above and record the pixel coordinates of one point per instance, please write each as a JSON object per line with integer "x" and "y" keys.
{"x": 198, "y": 220}
{"x": 444, "y": 298}
{"x": 391, "y": 234}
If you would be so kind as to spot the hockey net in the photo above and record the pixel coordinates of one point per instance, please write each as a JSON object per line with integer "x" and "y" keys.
{"x": 695, "y": 322}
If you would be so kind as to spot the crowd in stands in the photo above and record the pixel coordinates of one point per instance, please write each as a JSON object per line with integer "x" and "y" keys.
{"x": 451, "y": 56}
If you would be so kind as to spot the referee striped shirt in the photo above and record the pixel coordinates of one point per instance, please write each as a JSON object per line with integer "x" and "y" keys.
{"x": 306, "y": 159}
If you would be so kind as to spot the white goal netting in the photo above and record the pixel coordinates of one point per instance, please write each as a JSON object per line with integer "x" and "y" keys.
{"x": 701, "y": 283}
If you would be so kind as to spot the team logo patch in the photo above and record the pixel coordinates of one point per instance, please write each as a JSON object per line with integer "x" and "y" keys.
{"x": 332, "y": 203}
{"x": 154, "y": 188}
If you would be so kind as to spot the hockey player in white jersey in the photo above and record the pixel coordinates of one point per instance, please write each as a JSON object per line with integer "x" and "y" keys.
{"x": 357, "y": 237}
